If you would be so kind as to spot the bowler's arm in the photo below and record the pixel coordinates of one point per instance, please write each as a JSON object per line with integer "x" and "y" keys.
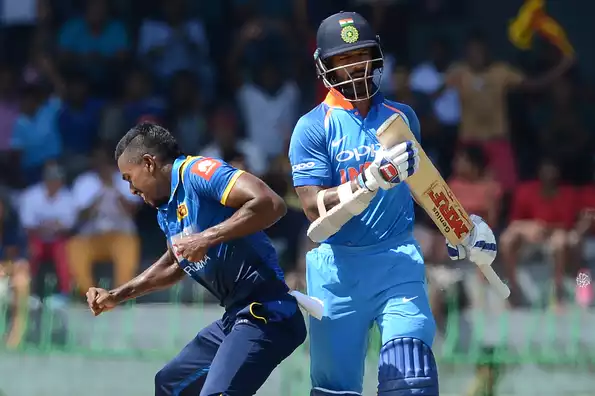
{"x": 257, "y": 208}
{"x": 164, "y": 273}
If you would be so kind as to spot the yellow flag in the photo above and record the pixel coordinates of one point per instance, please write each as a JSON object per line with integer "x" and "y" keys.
{"x": 533, "y": 19}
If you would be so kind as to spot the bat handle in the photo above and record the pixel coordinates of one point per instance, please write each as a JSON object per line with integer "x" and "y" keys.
{"x": 499, "y": 286}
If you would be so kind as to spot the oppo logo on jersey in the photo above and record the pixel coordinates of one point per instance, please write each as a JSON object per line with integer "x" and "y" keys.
{"x": 358, "y": 153}
{"x": 303, "y": 166}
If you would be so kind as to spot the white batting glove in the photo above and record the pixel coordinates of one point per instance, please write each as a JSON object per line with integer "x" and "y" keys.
{"x": 479, "y": 247}
{"x": 390, "y": 167}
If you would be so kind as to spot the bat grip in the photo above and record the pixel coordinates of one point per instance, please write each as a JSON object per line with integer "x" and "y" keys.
{"x": 500, "y": 287}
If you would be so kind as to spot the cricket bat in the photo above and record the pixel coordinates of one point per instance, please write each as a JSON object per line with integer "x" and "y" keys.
{"x": 435, "y": 196}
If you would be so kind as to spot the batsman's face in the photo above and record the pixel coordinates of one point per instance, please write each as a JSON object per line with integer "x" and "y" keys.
{"x": 352, "y": 64}
{"x": 144, "y": 179}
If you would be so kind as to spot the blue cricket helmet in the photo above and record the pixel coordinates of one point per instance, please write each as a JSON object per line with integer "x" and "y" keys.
{"x": 342, "y": 33}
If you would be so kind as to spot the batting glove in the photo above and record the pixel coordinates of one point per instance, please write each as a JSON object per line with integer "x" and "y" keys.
{"x": 390, "y": 167}
{"x": 479, "y": 246}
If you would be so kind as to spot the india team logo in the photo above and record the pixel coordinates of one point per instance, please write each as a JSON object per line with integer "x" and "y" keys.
{"x": 349, "y": 33}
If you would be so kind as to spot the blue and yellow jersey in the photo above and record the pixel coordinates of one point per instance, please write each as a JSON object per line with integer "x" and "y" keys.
{"x": 237, "y": 272}
{"x": 332, "y": 144}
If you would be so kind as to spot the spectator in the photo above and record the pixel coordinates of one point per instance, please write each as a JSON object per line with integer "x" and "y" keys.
{"x": 477, "y": 191}
{"x": 445, "y": 113}
{"x": 235, "y": 159}
{"x": 14, "y": 273}
{"x": 428, "y": 77}
{"x": 404, "y": 93}
{"x": 225, "y": 131}
{"x": 260, "y": 39}
{"x": 9, "y": 107}
{"x": 269, "y": 107}
{"x": 175, "y": 44}
{"x": 105, "y": 216}
{"x": 95, "y": 43}
{"x": 186, "y": 114}
{"x": 36, "y": 136}
{"x": 543, "y": 214}
{"x": 42, "y": 42}
{"x": 79, "y": 120}
{"x": 138, "y": 103}
{"x": 483, "y": 86}
{"x": 563, "y": 121}
{"x": 48, "y": 217}
{"x": 433, "y": 138}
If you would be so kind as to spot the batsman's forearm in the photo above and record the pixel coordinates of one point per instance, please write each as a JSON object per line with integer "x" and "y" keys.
{"x": 162, "y": 274}
{"x": 255, "y": 215}
{"x": 331, "y": 199}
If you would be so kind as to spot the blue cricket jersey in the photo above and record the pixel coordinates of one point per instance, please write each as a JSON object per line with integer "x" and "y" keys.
{"x": 332, "y": 144}
{"x": 237, "y": 272}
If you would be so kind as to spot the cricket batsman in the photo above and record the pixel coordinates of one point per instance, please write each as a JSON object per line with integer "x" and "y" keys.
{"x": 212, "y": 216}
{"x": 370, "y": 268}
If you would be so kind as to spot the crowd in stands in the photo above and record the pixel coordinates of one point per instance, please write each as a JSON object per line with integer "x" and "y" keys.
{"x": 230, "y": 79}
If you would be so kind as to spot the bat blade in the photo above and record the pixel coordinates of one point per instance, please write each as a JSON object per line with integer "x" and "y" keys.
{"x": 434, "y": 195}
{"x": 427, "y": 185}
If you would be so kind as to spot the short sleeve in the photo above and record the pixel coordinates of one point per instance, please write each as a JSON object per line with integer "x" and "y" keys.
{"x": 310, "y": 163}
{"x": 161, "y": 220}
{"x": 85, "y": 191}
{"x": 27, "y": 211}
{"x": 211, "y": 178}
{"x": 413, "y": 121}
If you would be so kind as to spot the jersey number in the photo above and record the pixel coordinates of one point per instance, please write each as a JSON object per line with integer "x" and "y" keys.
{"x": 351, "y": 172}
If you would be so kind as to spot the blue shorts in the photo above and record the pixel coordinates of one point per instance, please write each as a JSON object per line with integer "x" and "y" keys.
{"x": 385, "y": 284}
{"x": 234, "y": 355}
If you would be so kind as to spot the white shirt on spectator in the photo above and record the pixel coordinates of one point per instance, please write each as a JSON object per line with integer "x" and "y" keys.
{"x": 427, "y": 79}
{"x": 255, "y": 159}
{"x": 269, "y": 119}
{"x": 36, "y": 207}
{"x": 111, "y": 216}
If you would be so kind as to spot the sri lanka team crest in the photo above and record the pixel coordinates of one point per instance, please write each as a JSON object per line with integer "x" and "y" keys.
{"x": 349, "y": 33}
{"x": 182, "y": 211}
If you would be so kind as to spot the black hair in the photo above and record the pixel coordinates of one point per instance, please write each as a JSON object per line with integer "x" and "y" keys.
{"x": 475, "y": 155}
{"x": 476, "y": 36}
{"x": 148, "y": 138}
{"x": 232, "y": 155}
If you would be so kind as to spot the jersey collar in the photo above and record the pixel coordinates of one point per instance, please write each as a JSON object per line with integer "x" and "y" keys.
{"x": 175, "y": 178}
{"x": 336, "y": 99}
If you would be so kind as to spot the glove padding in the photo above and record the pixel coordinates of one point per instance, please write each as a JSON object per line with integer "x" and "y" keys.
{"x": 390, "y": 167}
{"x": 479, "y": 247}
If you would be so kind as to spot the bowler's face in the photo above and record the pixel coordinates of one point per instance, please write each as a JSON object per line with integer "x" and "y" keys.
{"x": 141, "y": 178}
